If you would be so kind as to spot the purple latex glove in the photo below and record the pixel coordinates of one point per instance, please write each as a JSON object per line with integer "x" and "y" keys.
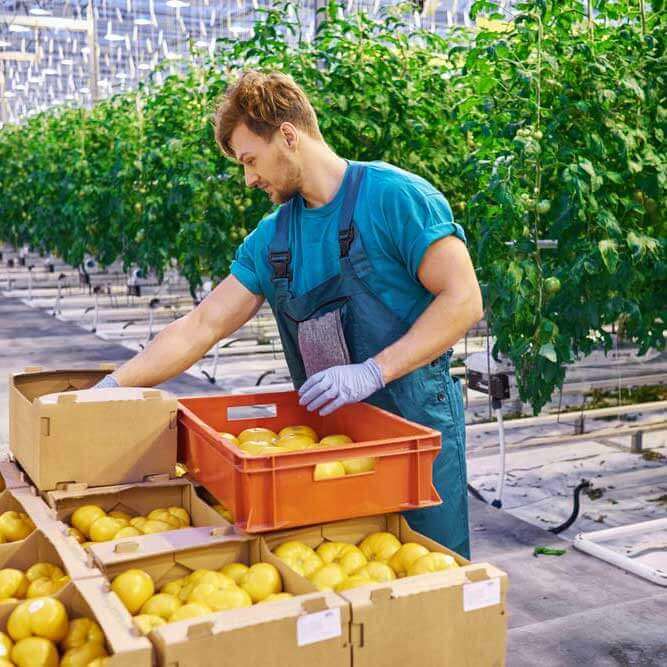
{"x": 340, "y": 385}
{"x": 107, "y": 382}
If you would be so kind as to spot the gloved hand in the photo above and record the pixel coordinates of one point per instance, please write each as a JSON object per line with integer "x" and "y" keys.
{"x": 107, "y": 382}
{"x": 340, "y": 385}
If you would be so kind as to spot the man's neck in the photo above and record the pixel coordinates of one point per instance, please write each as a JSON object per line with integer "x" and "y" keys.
{"x": 322, "y": 181}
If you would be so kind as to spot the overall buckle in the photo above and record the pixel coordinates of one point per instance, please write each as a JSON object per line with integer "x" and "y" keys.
{"x": 345, "y": 238}
{"x": 281, "y": 264}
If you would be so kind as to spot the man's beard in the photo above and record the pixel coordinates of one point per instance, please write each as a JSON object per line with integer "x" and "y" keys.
{"x": 291, "y": 184}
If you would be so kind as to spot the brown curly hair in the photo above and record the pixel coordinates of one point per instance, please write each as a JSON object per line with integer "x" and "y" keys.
{"x": 263, "y": 102}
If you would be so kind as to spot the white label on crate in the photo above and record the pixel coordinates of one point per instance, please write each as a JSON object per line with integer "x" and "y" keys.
{"x": 318, "y": 627}
{"x": 481, "y": 594}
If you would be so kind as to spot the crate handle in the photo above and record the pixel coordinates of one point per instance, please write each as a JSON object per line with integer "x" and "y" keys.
{"x": 381, "y": 595}
{"x": 107, "y": 366}
{"x": 477, "y": 574}
{"x": 126, "y": 547}
{"x": 346, "y": 476}
{"x": 32, "y": 369}
{"x": 257, "y": 411}
{"x": 68, "y": 398}
{"x": 314, "y": 605}
{"x": 199, "y": 630}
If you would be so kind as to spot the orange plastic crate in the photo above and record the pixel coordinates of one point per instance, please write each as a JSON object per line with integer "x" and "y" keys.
{"x": 278, "y": 491}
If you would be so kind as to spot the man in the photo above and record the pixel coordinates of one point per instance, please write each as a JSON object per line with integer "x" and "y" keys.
{"x": 368, "y": 277}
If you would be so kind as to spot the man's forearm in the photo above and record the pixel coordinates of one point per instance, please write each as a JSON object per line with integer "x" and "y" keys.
{"x": 441, "y": 325}
{"x": 176, "y": 348}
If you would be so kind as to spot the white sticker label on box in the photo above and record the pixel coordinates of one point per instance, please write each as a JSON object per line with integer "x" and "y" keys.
{"x": 481, "y": 594}
{"x": 318, "y": 627}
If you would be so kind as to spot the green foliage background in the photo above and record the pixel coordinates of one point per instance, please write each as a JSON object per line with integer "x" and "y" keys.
{"x": 550, "y": 126}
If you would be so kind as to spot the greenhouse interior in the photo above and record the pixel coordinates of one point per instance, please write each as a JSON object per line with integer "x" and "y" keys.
{"x": 333, "y": 331}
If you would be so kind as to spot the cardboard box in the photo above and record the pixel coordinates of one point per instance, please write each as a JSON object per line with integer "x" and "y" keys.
{"x": 456, "y": 617}
{"x": 12, "y": 476}
{"x": 60, "y": 433}
{"x": 137, "y": 499}
{"x": 305, "y": 631}
{"x": 88, "y": 598}
{"x": 40, "y": 548}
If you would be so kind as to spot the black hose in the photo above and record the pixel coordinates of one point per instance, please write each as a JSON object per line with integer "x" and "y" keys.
{"x": 474, "y": 492}
{"x": 584, "y": 484}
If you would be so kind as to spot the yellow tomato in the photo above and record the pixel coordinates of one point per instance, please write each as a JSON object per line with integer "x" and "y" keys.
{"x": 231, "y": 437}
{"x": 133, "y": 587}
{"x": 353, "y": 581}
{"x": 42, "y": 570}
{"x": 376, "y": 571}
{"x": 432, "y": 562}
{"x": 261, "y": 580}
{"x": 380, "y": 546}
{"x": 6, "y": 645}
{"x": 35, "y": 652}
{"x": 348, "y": 556}
{"x": 105, "y": 528}
{"x": 327, "y": 577}
{"x": 81, "y": 631}
{"x": 83, "y": 655}
{"x": 41, "y": 617}
{"x": 257, "y": 434}
{"x": 335, "y": 440}
{"x": 409, "y": 552}
{"x": 84, "y": 516}
{"x": 300, "y": 557}
{"x": 44, "y": 587}
{"x": 330, "y": 470}
{"x": 295, "y": 443}
{"x": 162, "y": 605}
{"x": 191, "y": 610}
{"x": 15, "y": 526}
{"x": 301, "y": 429}
{"x": 234, "y": 571}
{"x": 13, "y": 583}
{"x": 357, "y": 466}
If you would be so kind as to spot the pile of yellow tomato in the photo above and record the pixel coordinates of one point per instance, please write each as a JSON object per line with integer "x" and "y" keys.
{"x": 201, "y": 592}
{"x": 40, "y": 633}
{"x": 90, "y": 523}
{"x": 263, "y": 441}
{"x": 380, "y": 557}
{"x": 39, "y": 580}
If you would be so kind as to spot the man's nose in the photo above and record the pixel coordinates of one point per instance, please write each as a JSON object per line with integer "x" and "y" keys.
{"x": 251, "y": 178}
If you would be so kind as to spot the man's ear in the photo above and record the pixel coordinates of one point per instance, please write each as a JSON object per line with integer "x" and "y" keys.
{"x": 290, "y": 135}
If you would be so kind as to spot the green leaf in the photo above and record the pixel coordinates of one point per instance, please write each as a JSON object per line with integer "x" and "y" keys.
{"x": 587, "y": 167}
{"x": 609, "y": 251}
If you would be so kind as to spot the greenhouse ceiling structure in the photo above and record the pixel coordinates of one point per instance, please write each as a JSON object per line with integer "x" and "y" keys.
{"x": 55, "y": 52}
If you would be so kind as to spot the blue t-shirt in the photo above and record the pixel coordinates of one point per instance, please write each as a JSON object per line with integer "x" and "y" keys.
{"x": 398, "y": 215}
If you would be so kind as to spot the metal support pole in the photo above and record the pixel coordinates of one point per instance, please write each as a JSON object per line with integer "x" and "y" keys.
{"x": 92, "y": 45}
{"x": 636, "y": 444}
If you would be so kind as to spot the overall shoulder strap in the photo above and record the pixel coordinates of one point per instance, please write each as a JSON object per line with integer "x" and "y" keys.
{"x": 346, "y": 222}
{"x": 279, "y": 253}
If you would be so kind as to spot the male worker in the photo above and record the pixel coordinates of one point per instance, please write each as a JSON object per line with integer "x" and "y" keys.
{"x": 367, "y": 275}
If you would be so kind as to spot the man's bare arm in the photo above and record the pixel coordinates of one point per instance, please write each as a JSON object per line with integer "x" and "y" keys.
{"x": 447, "y": 272}
{"x": 180, "y": 345}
